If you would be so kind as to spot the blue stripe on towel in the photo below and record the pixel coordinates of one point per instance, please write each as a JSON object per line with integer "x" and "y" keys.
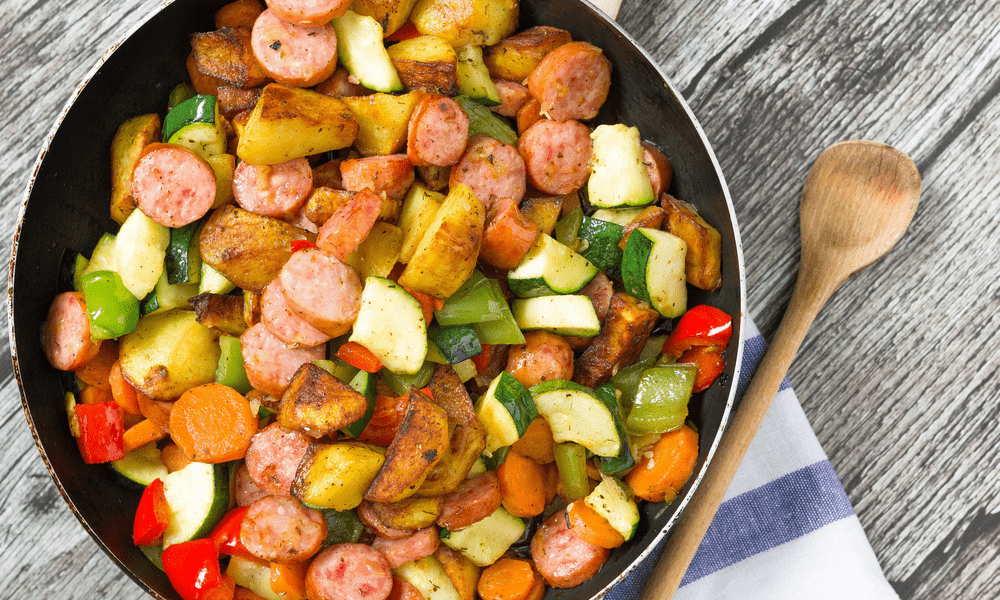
{"x": 773, "y": 514}
{"x": 753, "y": 351}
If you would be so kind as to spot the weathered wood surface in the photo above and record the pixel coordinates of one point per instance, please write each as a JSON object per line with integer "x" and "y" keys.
{"x": 898, "y": 376}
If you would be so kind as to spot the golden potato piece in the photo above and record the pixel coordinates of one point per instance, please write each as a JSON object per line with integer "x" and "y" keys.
{"x": 467, "y": 436}
{"x": 390, "y": 14}
{"x": 426, "y": 62}
{"x": 703, "y": 262}
{"x": 224, "y": 167}
{"x": 203, "y": 84}
{"x": 336, "y": 475}
{"x": 447, "y": 252}
{"x": 544, "y": 212}
{"x": 317, "y": 403}
{"x": 221, "y": 312}
{"x": 418, "y": 212}
{"x": 226, "y": 54}
{"x": 247, "y": 248}
{"x": 132, "y": 136}
{"x": 378, "y": 253}
{"x": 323, "y": 202}
{"x": 651, "y": 217}
{"x": 382, "y": 120}
{"x": 412, "y": 513}
{"x": 463, "y": 22}
{"x": 291, "y": 123}
{"x": 420, "y": 444}
{"x": 514, "y": 58}
{"x": 168, "y": 354}
{"x": 462, "y": 571}
{"x": 623, "y": 335}
{"x": 251, "y": 308}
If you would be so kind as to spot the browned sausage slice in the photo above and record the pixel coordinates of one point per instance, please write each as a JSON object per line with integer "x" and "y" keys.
{"x": 172, "y": 185}
{"x": 273, "y": 190}
{"x": 247, "y": 492}
{"x": 513, "y": 96}
{"x": 661, "y": 172}
{"x": 491, "y": 169}
{"x": 279, "y": 529}
{"x": 391, "y": 174}
{"x": 557, "y": 155}
{"x": 437, "y": 132}
{"x": 420, "y": 544}
{"x": 283, "y": 323}
{"x": 508, "y": 235}
{"x": 600, "y": 290}
{"x": 339, "y": 85}
{"x": 295, "y": 55}
{"x": 375, "y": 525}
{"x": 571, "y": 82}
{"x": 563, "y": 559}
{"x": 66, "y": 333}
{"x": 344, "y": 231}
{"x": 529, "y": 114}
{"x": 322, "y": 290}
{"x": 309, "y": 12}
{"x": 542, "y": 357}
{"x": 274, "y": 456}
{"x": 270, "y": 364}
{"x": 474, "y": 500}
{"x": 349, "y": 572}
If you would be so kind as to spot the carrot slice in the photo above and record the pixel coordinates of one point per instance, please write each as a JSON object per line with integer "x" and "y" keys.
{"x": 289, "y": 581}
{"x": 426, "y": 305}
{"x": 537, "y": 443}
{"x": 243, "y": 593}
{"x": 506, "y": 579}
{"x": 538, "y": 590}
{"x": 122, "y": 390}
{"x": 664, "y": 468}
{"x": 173, "y": 458}
{"x": 96, "y": 371}
{"x": 591, "y": 527}
{"x": 94, "y": 395}
{"x": 212, "y": 423}
{"x": 140, "y": 434}
{"x": 522, "y": 485}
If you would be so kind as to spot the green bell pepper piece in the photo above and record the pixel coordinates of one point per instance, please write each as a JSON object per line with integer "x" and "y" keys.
{"x": 661, "y": 399}
{"x": 342, "y": 526}
{"x": 401, "y": 384}
{"x": 180, "y": 93}
{"x": 231, "y": 370}
{"x": 571, "y": 461}
{"x": 112, "y": 309}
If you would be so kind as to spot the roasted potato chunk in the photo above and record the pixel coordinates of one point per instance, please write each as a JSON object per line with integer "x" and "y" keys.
{"x": 233, "y": 100}
{"x": 132, "y": 136}
{"x": 378, "y": 253}
{"x": 447, "y": 252}
{"x": 436, "y": 178}
{"x": 412, "y": 513}
{"x": 336, "y": 475}
{"x": 703, "y": 262}
{"x": 328, "y": 175}
{"x": 247, "y": 248}
{"x": 651, "y": 217}
{"x": 543, "y": 211}
{"x": 462, "y": 571}
{"x": 203, "y": 84}
{"x": 291, "y": 123}
{"x": 317, "y": 403}
{"x": 323, "y": 202}
{"x": 220, "y": 312}
{"x": 390, "y": 14}
{"x": 382, "y": 120}
{"x": 418, "y": 212}
{"x": 168, "y": 354}
{"x": 224, "y": 167}
{"x": 514, "y": 58}
{"x": 421, "y": 443}
{"x": 251, "y": 308}
{"x": 463, "y": 22}
{"x": 426, "y": 62}
{"x": 226, "y": 54}
{"x": 625, "y": 331}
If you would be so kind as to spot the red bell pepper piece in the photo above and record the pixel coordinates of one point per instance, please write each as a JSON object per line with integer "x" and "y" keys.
{"x": 382, "y": 427}
{"x": 482, "y": 361}
{"x": 360, "y": 357}
{"x": 193, "y": 569}
{"x": 152, "y": 516}
{"x": 709, "y": 362}
{"x": 297, "y": 245}
{"x": 101, "y": 431}
{"x": 700, "y": 326}
{"x": 407, "y": 31}
{"x": 226, "y": 534}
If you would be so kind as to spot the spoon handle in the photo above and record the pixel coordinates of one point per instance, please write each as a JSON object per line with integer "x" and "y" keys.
{"x": 810, "y": 294}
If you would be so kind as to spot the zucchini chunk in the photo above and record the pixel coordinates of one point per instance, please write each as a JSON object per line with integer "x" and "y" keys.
{"x": 611, "y": 500}
{"x": 142, "y": 465}
{"x": 362, "y": 52}
{"x": 198, "y": 496}
{"x": 474, "y": 78}
{"x": 101, "y": 259}
{"x": 430, "y": 579}
{"x": 653, "y": 270}
{"x": 485, "y": 541}
{"x": 576, "y": 414}
{"x": 391, "y": 324}
{"x": 550, "y": 268}
{"x": 140, "y": 248}
{"x": 569, "y": 315}
{"x": 196, "y": 125}
{"x": 618, "y": 177}
{"x": 505, "y": 410}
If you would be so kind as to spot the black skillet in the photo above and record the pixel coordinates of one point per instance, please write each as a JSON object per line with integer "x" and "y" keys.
{"x": 66, "y": 208}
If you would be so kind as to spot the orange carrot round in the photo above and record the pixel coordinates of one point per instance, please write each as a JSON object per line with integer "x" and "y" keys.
{"x": 591, "y": 527}
{"x": 538, "y": 589}
{"x": 173, "y": 458}
{"x": 537, "y": 443}
{"x": 140, "y": 434}
{"x": 122, "y": 390}
{"x": 94, "y": 395}
{"x": 96, "y": 371}
{"x": 663, "y": 469}
{"x": 522, "y": 485}
{"x": 506, "y": 579}
{"x": 289, "y": 581}
{"x": 212, "y": 423}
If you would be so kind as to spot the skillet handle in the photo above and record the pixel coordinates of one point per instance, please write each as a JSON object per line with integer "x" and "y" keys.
{"x": 610, "y": 7}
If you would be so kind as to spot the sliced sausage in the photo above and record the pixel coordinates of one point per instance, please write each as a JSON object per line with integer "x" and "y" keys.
{"x": 474, "y": 500}
{"x": 374, "y": 524}
{"x": 557, "y": 155}
{"x": 270, "y": 364}
{"x": 274, "y": 456}
{"x": 437, "y": 132}
{"x": 600, "y": 290}
{"x": 391, "y": 174}
{"x": 340, "y": 85}
{"x": 491, "y": 169}
{"x": 661, "y": 172}
{"x": 571, "y": 82}
{"x": 508, "y": 235}
{"x": 295, "y": 55}
{"x": 283, "y": 323}
{"x": 404, "y": 590}
{"x": 308, "y": 12}
{"x": 563, "y": 559}
{"x": 322, "y": 290}
{"x": 172, "y": 185}
{"x": 513, "y": 96}
{"x": 344, "y": 231}
{"x": 247, "y": 492}
{"x": 529, "y": 114}
{"x": 273, "y": 190}
{"x": 66, "y": 333}
{"x": 542, "y": 357}
{"x": 279, "y": 529}
{"x": 349, "y": 572}
{"x": 420, "y": 544}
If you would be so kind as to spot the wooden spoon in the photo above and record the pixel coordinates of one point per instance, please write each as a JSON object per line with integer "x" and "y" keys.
{"x": 857, "y": 201}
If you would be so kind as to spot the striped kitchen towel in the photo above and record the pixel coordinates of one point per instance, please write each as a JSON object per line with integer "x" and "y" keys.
{"x": 786, "y": 529}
